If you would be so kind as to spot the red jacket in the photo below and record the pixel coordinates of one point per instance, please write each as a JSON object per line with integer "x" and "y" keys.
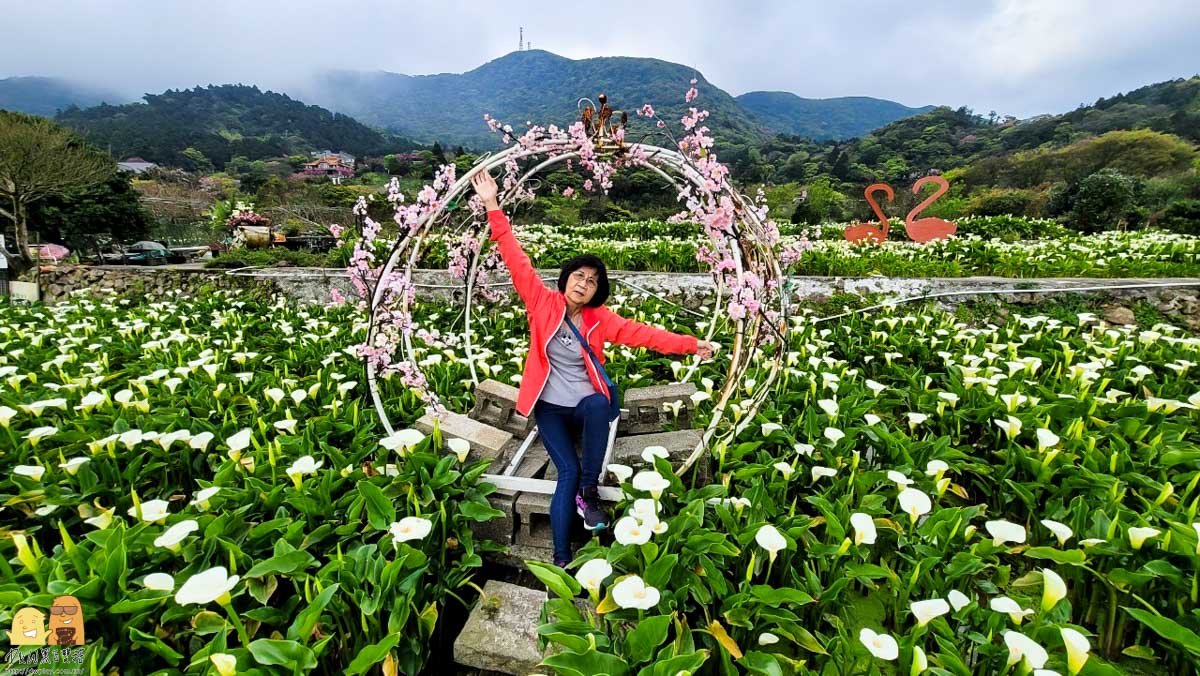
{"x": 546, "y": 308}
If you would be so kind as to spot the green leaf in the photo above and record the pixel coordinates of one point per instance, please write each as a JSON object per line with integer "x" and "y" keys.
{"x": 153, "y": 644}
{"x": 646, "y": 636}
{"x": 372, "y": 655}
{"x": 776, "y": 597}
{"x": 115, "y": 566}
{"x": 761, "y": 663}
{"x": 1167, "y": 628}
{"x": 680, "y": 663}
{"x": 659, "y": 572}
{"x": 588, "y": 663}
{"x": 479, "y": 512}
{"x": 270, "y": 652}
{"x": 302, "y": 627}
{"x": 380, "y": 511}
{"x": 556, "y": 579}
{"x": 1071, "y": 557}
{"x": 282, "y": 564}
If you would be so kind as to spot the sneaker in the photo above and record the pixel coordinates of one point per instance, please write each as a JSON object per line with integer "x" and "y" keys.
{"x": 562, "y": 563}
{"x": 587, "y": 504}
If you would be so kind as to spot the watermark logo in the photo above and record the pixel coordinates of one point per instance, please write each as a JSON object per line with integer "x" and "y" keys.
{"x": 64, "y": 634}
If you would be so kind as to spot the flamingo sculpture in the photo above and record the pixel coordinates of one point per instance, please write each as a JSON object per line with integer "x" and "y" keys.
{"x": 928, "y": 229}
{"x": 867, "y": 231}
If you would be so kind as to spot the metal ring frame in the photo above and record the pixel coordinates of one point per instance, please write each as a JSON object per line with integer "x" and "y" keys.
{"x": 747, "y": 239}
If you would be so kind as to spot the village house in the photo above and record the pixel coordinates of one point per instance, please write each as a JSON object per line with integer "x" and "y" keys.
{"x": 333, "y": 165}
{"x": 135, "y": 164}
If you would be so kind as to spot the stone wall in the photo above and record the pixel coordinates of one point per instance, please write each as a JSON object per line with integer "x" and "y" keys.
{"x": 309, "y": 285}
{"x": 58, "y": 282}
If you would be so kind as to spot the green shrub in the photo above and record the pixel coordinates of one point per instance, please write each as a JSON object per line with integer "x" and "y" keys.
{"x": 245, "y": 258}
{"x": 999, "y": 201}
{"x": 1182, "y": 217}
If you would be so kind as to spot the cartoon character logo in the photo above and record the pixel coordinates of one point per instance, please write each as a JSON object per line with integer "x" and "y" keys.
{"x": 66, "y": 621}
{"x": 28, "y": 627}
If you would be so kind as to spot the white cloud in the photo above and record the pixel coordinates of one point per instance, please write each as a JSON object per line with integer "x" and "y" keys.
{"x": 1014, "y": 56}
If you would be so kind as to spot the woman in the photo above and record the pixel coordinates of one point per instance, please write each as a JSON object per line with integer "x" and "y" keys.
{"x": 562, "y": 386}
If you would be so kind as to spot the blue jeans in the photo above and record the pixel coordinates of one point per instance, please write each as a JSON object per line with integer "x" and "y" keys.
{"x": 559, "y": 426}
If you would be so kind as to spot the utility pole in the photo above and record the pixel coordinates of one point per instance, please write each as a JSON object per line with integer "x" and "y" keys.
{"x": 521, "y": 41}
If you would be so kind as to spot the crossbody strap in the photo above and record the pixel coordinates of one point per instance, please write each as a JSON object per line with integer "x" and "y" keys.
{"x": 582, "y": 341}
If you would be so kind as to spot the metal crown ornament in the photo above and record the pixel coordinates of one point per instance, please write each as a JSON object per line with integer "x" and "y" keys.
{"x": 606, "y": 134}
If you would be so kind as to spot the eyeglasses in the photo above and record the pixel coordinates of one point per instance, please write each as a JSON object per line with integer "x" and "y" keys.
{"x": 581, "y": 276}
{"x": 64, "y": 610}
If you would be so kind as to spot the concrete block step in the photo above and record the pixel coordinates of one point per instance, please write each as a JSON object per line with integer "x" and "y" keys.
{"x": 679, "y": 445}
{"x": 501, "y": 632}
{"x": 486, "y": 440}
{"x": 501, "y": 529}
{"x": 496, "y": 405}
{"x": 647, "y": 408}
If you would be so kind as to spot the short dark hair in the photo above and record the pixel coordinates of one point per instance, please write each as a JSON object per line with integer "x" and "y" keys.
{"x": 586, "y": 261}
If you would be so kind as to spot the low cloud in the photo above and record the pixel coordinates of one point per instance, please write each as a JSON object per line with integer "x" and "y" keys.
{"x": 1014, "y": 56}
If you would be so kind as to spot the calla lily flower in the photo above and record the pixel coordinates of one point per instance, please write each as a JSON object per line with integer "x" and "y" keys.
{"x": 1054, "y": 589}
{"x": 1005, "y": 531}
{"x": 652, "y": 482}
{"x": 651, "y": 452}
{"x": 159, "y": 582}
{"x": 925, "y": 611}
{"x": 460, "y": 448}
{"x": 914, "y": 503}
{"x": 882, "y": 646}
{"x": 1139, "y": 534}
{"x": 632, "y": 592}
{"x": 621, "y": 472}
{"x": 629, "y": 531}
{"x": 409, "y": 528}
{"x": 1078, "y": 649}
{"x": 864, "y": 528}
{"x": 1021, "y": 647}
{"x": 402, "y": 441}
{"x": 211, "y": 585}
{"x": 593, "y": 573}
{"x": 152, "y": 511}
{"x": 174, "y": 535}
{"x": 1061, "y": 531}
{"x": 769, "y": 538}
{"x": 958, "y": 600}
{"x": 1003, "y": 604}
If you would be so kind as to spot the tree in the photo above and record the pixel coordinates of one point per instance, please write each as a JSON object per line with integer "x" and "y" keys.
{"x": 110, "y": 210}
{"x": 40, "y": 160}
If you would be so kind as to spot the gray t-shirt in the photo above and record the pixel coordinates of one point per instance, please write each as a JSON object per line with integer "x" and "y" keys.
{"x": 568, "y": 381}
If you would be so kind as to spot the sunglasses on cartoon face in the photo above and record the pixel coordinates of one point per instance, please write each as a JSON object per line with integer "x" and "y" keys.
{"x": 63, "y": 610}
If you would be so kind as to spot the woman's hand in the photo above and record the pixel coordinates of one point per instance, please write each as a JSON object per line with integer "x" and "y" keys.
{"x": 705, "y": 349}
{"x": 485, "y": 187}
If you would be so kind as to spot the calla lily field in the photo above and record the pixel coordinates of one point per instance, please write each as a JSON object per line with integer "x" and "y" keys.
{"x": 919, "y": 494}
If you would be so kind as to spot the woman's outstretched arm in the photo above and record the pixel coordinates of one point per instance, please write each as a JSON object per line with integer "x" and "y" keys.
{"x": 525, "y": 278}
{"x": 635, "y": 334}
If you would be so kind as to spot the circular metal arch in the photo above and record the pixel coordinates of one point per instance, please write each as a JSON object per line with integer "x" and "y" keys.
{"x": 747, "y": 239}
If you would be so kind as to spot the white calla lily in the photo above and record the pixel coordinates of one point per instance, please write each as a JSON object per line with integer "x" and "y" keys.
{"x": 632, "y": 592}
{"x": 880, "y": 645}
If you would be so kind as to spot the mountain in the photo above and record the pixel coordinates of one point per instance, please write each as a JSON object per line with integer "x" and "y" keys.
{"x": 223, "y": 122}
{"x": 530, "y": 85}
{"x": 46, "y": 95}
{"x": 945, "y": 138}
{"x": 1147, "y": 132}
{"x": 824, "y": 119}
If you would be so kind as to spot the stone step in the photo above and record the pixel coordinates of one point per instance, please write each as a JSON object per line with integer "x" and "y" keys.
{"x": 496, "y": 405}
{"x": 679, "y": 445}
{"x": 486, "y": 441}
{"x": 501, "y": 632}
{"x": 647, "y": 412}
{"x": 501, "y": 529}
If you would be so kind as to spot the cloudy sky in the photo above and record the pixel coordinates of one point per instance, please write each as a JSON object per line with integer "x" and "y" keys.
{"x": 1021, "y": 57}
